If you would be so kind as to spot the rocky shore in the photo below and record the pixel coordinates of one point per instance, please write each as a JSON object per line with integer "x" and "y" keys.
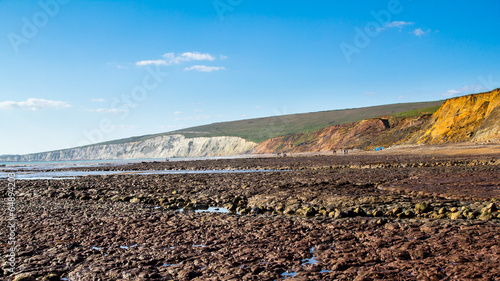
{"x": 362, "y": 217}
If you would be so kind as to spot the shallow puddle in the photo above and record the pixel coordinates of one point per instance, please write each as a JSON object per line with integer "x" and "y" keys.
{"x": 209, "y": 210}
{"x": 312, "y": 260}
{"x": 288, "y": 274}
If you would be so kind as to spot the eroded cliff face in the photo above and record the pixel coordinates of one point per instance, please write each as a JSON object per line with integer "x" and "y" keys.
{"x": 468, "y": 118}
{"x": 365, "y": 134}
{"x": 462, "y": 119}
{"x": 159, "y": 147}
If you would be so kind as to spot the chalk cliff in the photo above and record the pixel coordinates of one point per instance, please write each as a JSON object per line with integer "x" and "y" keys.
{"x": 158, "y": 147}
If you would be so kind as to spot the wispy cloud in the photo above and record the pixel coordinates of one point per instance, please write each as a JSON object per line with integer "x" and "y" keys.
{"x": 178, "y": 113}
{"x": 419, "y": 32}
{"x": 33, "y": 104}
{"x": 396, "y": 24}
{"x": 97, "y": 100}
{"x": 172, "y": 58}
{"x": 151, "y": 62}
{"x": 204, "y": 68}
{"x": 188, "y": 56}
{"x": 465, "y": 90}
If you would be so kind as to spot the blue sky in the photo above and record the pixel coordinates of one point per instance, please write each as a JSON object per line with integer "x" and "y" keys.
{"x": 78, "y": 72}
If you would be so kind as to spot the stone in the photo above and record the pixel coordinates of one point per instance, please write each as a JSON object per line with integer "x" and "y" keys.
{"x": 397, "y": 210}
{"x": 24, "y": 277}
{"x": 490, "y": 208}
{"x": 422, "y": 207}
{"x": 409, "y": 214}
{"x": 310, "y": 211}
{"x": 135, "y": 200}
{"x": 456, "y": 216}
{"x": 51, "y": 277}
{"x": 359, "y": 212}
{"x": 256, "y": 210}
{"x": 485, "y": 216}
{"x": 442, "y": 211}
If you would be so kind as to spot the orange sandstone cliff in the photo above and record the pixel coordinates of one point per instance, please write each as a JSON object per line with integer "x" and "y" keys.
{"x": 469, "y": 118}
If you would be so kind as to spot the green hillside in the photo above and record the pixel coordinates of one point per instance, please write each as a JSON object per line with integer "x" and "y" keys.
{"x": 261, "y": 129}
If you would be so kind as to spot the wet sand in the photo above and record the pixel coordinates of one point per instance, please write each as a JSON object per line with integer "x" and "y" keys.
{"x": 357, "y": 217}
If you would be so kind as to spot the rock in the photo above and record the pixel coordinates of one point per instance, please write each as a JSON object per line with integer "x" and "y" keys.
{"x": 442, "y": 211}
{"x": 290, "y": 210}
{"x": 51, "y": 277}
{"x": 338, "y": 214}
{"x": 397, "y": 210}
{"x": 490, "y": 208}
{"x": 422, "y": 207}
{"x": 359, "y": 212}
{"x": 135, "y": 200}
{"x": 85, "y": 197}
{"x": 485, "y": 216}
{"x": 473, "y": 215}
{"x": 232, "y": 207}
{"x": 256, "y": 210}
{"x": 309, "y": 211}
{"x": 409, "y": 214}
{"x": 377, "y": 213}
{"x": 456, "y": 216}
{"x": 236, "y": 200}
{"x": 24, "y": 277}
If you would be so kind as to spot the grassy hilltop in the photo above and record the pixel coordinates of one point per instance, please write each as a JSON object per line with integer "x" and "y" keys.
{"x": 261, "y": 129}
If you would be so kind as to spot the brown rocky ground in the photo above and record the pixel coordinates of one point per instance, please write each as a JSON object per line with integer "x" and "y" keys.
{"x": 362, "y": 217}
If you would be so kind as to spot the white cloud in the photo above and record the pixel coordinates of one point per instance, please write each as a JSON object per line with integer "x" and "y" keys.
{"x": 188, "y": 56}
{"x": 178, "y": 113}
{"x": 222, "y": 57}
{"x": 419, "y": 32}
{"x": 205, "y": 68}
{"x": 151, "y": 62}
{"x": 465, "y": 90}
{"x": 97, "y": 100}
{"x": 258, "y": 107}
{"x": 107, "y": 110}
{"x": 172, "y": 58}
{"x": 33, "y": 104}
{"x": 397, "y": 24}
{"x": 198, "y": 110}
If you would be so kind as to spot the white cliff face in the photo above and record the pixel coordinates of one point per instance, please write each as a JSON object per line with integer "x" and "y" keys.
{"x": 158, "y": 147}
